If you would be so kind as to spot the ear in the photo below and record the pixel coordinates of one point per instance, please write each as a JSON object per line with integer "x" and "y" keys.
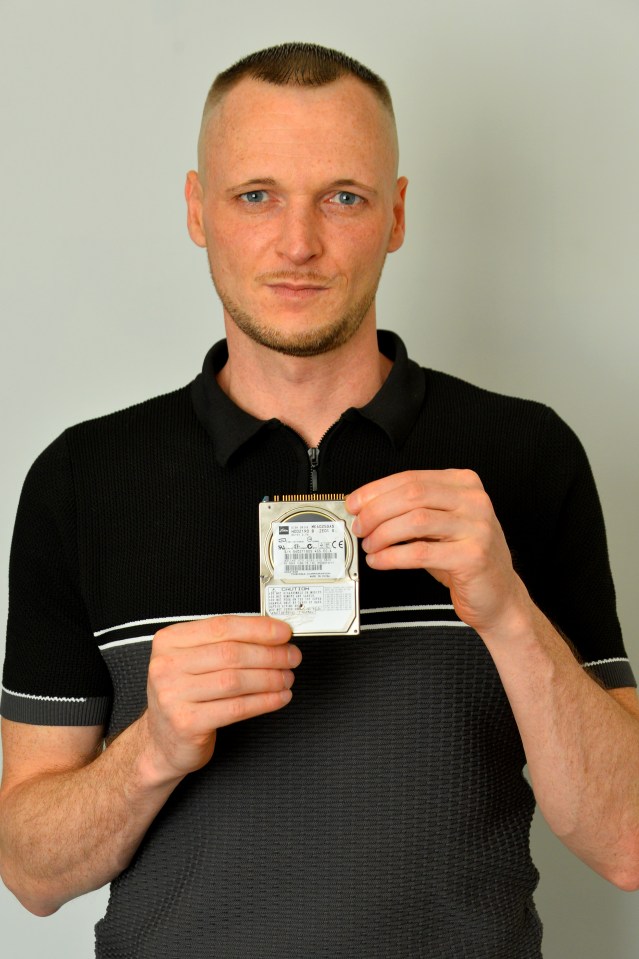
{"x": 399, "y": 219}
{"x": 194, "y": 199}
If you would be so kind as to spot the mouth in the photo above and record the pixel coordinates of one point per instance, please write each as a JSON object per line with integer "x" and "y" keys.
{"x": 296, "y": 291}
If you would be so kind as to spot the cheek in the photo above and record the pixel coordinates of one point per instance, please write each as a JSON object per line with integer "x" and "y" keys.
{"x": 366, "y": 249}
{"x": 237, "y": 247}
{"x": 227, "y": 252}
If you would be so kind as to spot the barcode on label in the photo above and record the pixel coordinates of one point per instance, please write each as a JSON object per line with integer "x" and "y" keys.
{"x": 301, "y": 558}
{"x": 303, "y": 568}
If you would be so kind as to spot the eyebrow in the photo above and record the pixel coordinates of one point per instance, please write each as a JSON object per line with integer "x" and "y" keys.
{"x": 356, "y": 183}
{"x": 269, "y": 181}
{"x": 256, "y": 181}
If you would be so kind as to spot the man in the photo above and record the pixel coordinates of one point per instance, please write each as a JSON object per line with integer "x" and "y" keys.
{"x": 381, "y": 809}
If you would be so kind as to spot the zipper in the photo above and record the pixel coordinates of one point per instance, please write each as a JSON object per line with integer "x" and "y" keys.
{"x": 313, "y": 455}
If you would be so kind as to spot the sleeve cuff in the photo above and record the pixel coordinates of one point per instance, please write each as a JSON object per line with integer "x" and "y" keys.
{"x": 613, "y": 673}
{"x": 54, "y": 710}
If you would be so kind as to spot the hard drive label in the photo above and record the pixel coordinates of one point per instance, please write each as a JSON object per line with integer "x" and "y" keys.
{"x": 309, "y": 550}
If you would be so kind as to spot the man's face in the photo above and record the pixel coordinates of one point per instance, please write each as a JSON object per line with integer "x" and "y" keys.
{"x": 297, "y": 204}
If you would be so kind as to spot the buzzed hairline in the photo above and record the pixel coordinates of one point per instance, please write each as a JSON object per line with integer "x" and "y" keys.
{"x": 292, "y": 64}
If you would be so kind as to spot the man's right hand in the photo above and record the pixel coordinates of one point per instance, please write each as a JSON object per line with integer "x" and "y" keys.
{"x": 93, "y": 806}
{"x": 210, "y": 673}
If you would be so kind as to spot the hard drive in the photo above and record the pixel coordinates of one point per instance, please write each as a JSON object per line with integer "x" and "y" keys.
{"x": 308, "y": 564}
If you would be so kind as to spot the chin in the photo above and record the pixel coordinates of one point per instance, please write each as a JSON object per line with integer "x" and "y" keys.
{"x": 315, "y": 341}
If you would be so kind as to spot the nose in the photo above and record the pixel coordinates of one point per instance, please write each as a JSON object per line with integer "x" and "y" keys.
{"x": 299, "y": 239}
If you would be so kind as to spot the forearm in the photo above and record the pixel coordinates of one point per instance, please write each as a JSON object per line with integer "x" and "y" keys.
{"x": 582, "y": 747}
{"x": 65, "y": 833}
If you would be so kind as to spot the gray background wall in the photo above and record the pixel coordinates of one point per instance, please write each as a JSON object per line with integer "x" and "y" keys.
{"x": 519, "y": 122}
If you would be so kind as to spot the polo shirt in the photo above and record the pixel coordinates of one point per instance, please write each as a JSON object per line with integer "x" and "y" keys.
{"x": 383, "y": 812}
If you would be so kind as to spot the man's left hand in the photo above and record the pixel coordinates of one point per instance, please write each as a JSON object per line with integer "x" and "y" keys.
{"x": 441, "y": 521}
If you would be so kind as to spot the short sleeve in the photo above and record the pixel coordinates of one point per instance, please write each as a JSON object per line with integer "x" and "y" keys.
{"x": 579, "y": 594}
{"x": 53, "y": 671}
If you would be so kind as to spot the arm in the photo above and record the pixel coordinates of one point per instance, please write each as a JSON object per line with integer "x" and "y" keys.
{"x": 72, "y": 816}
{"x": 581, "y": 743}
{"x": 70, "y": 819}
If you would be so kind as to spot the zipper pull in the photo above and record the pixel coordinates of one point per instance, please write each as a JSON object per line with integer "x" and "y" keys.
{"x": 313, "y": 455}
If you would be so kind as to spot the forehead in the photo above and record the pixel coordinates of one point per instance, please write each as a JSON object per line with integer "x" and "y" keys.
{"x": 328, "y": 128}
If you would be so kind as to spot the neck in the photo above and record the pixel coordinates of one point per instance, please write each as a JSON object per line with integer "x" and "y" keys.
{"x": 309, "y": 394}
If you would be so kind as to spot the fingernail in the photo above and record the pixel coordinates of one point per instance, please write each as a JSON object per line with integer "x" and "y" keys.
{"x": 286, "y": 695}
{"x": 279, "y": 629}
{"x": 294, "y": 656}
{"x": 288, "y": 677}
{"x": 356, "y": 526}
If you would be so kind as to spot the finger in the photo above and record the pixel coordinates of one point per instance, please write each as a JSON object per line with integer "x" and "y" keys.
{"x": 215, "y": 629}
{"x": 417, "y": 524}
{"x": 414, "y": 494}
{"x": 467, "y": 560}
{"x": 202, "y": 718}
{"x": 436, "y": 557}
{"x": 356, "y": 500}
{"x": 230, "y": 683}
{"x": 231, "y": 654}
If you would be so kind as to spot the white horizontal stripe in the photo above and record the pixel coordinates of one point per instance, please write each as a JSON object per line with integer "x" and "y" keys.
{"x": 125, "y": 642}
{"x": 193, "y": 618}
{"x": 400, "y": 609}
{"x": 443, "y": 622}
{"x": 603, "y": 662}
{"x": 199, "y": 616}
{"x": 168, "y": 619}
{"x": 48, "y": 699}
{"x": 428, "y": 623}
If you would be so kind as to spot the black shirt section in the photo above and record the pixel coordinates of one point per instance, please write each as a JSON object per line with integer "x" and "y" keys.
{"x": 383, "y": 812}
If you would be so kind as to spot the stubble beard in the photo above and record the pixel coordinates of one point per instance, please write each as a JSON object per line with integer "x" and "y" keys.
{"x": 311, "y": 342}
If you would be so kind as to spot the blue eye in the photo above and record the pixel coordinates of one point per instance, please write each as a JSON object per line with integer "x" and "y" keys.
{"x": 344, "y": 198}
{"x": 253, "y": 196}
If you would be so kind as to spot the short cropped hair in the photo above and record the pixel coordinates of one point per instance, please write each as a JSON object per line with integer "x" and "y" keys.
{"x": 301, "y": 64}
{"x": 289, "y": 64}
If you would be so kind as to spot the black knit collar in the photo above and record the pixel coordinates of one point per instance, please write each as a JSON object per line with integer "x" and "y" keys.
{"x": 394, "y": 407}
